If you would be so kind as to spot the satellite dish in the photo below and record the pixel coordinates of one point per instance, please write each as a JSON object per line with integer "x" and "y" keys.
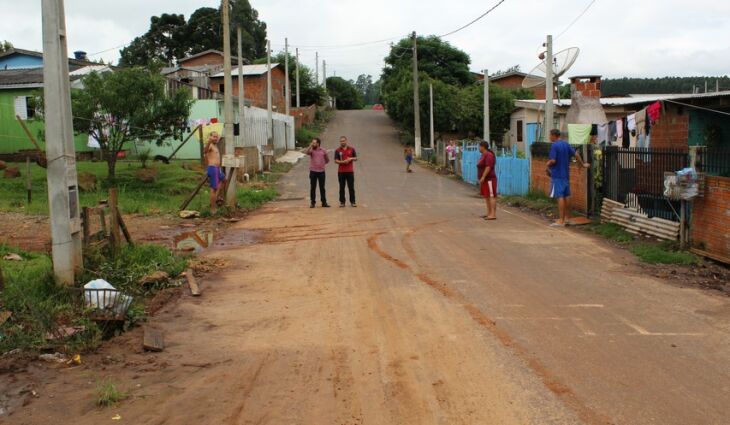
{"x": 562, "y": 61}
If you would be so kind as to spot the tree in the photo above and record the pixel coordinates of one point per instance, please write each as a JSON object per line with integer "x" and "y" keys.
{"x": 437, "y": 58}
{"x": 310, "y": 93}
{"x": 369, "y": 90}
{"x": 128, "y": 105}
{"x": 171, "y": 38}
{"x": 344, "y": 93}
{"x": 5, "y": 46}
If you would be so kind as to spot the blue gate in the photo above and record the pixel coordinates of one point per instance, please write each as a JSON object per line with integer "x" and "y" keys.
{"x": 533, "y": 134}
{"x": 513, "y": 173}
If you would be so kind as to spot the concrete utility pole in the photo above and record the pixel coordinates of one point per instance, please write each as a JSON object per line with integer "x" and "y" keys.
{"x": 228, "y": 104}
{"x": 63, "y": 193}
{"x": 269, "y": 106}
{"x": 241, "y": 100}
{"x": 287, "y": 86}
{"x": 430, "y": 101}
{"x": 416, "y": 106}
{"x": 298, "y": 103}
{"x": 487, "y": 135}
{"x": 316, "y": 65}
{"x": 324, "y": 74}
{"x": 549, "y": 106}
{"x": 705, "y": 86}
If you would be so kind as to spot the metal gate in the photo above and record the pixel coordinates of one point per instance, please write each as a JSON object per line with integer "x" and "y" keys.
{"x": 513, "y": 174}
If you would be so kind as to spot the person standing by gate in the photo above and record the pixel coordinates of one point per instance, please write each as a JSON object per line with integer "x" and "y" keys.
{"x": 488, "y": 179}
{"x": 451, "y": 156}
{"x": 345, "y": 156}
{"x": 559, "y": 171}
{"x": 318, "y": 160}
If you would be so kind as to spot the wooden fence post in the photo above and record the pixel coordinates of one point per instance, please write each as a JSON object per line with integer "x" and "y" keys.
{"x": 202, "y": 153}
{"x": 114, "y": 234}
{"x": 28, "y": 180}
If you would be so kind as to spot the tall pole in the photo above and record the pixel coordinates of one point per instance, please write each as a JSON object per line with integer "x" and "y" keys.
{"x": 297, "y": 71}
{"x": 228, "y": 104}
{"x": 269, "y": 110}
{"x": 241, "y": 101}
{"x": 63, "y": 193}
{"x": 287, "y": 86}
{"x": 316, "y": 65}
{"x": 324, "y": 74}
{"x": 487, "y": 135}
{"x": 549, "y": 106}
{"x": 416, "y": 106}
{"x": 430, "y": 101}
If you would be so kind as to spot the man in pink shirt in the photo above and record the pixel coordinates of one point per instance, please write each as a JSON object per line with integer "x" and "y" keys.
{"x": 318, "y": 161}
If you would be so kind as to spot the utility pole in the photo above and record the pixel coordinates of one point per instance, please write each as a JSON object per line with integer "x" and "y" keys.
{"x": 316, "y": 65}
{"x": 717, "y": 86}
{"x": 430, "y": 101}
{"x": 269, "y": 110}
{"x": 487, "y": 135}
{"x": 324, "y": 74}
{"x": 705, "y": 86}
{"x": 63, "y": 193}
{"x": 228, "y": 104}
{"x": 287, "y": 86}
{"x": 416, "y": 106}
{"x": 241, "y": 101}
{"x": 549, "y": 106}
{"x": 298, "y": 103}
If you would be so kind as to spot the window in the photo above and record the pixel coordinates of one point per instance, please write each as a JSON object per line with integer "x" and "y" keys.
{"x": 222, "y": 88}
{"x": 519, "y": 131}
{"x": 25, "y": 107}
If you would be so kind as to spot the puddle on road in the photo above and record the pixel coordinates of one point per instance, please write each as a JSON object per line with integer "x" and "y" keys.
{"x": 199, "y": 240}
{"x": 195, "y": 241}
{"x": 233, "y": 238}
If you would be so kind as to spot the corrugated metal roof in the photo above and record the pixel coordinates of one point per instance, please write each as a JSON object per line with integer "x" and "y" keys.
{"x": 628, "y": 100}
{"x": 33, "y": 77}
{"x": 249, "y": 70}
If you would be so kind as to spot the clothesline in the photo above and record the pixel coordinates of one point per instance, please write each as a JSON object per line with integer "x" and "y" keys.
{"x": 698, "y": 107}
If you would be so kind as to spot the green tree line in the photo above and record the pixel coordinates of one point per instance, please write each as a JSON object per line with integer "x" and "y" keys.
{"x": 663, "y": 85}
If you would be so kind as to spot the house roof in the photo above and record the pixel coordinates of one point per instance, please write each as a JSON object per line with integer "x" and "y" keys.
{"x": 510, "y": 74}
{"x": 249, "y": 70}
{"x": 172, "y": 69}
{"x": 33, "y": 77}
{"x": 217, "y": 52}
{"x": 626, "y": 100}
{"x": 15, "y": 51}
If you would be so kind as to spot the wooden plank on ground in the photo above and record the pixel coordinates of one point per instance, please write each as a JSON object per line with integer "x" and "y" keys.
{"x": 645, "y": 221}
{"x": 153, "y": 340}
{"x": 192, "y": 283}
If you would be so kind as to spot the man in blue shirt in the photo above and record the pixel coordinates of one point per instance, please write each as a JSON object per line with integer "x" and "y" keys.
{"x": 559, "y": 170}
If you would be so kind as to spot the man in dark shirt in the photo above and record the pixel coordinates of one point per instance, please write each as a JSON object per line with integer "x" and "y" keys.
{"x": 345, "y": 156}
{"x": 559, "y": 170}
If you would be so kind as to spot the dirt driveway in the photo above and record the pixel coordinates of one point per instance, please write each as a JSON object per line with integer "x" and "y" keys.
{"x": 409, "y": 309}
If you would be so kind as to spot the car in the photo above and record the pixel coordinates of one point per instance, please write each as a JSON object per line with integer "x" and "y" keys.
{"x": 378, "y": 107}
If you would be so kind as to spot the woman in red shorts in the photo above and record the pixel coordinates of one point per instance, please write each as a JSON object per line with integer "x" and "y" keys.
{"x": 488, "y": 179}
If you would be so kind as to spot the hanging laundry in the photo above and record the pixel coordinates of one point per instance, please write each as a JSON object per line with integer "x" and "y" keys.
{"x": 654, "y": 111}
{"x": 602, "y": 134}
{"x": 579, "y": 134}
{"x": 619, "y": 129}
{"x": 612, "y": 132}
{"x": 626, "y": 134}
{"x": 640, "y": 118}
{"x": 631, "y": 122}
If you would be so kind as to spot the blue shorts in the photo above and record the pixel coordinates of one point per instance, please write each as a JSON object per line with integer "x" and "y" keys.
{"x": 215, "y": 176}
{"x": 409, "y": 159}
{"x": 559, "y": 188}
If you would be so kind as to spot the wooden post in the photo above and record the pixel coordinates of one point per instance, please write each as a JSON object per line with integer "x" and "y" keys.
{"x": 123, "y": 226}
{"x": 114, "y": 234}
{"x": 187, "y": 201}
{"x": 682, "y": 225}
{"x": 202, "y": 142}
{"x": 28, "y": 180}
{"x": 85, "y": 225}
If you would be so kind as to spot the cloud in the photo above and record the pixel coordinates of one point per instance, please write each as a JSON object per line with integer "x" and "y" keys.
{"x": 616, "y": 38}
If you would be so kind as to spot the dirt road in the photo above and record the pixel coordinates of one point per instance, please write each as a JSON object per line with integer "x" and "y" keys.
{"x": 410, "y": 309}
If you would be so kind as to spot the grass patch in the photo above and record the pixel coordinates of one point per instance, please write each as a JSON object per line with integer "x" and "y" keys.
{"x": 135, "y": 196}
{"x": 612, "y": 232}
{"x": 536, "y": 201}
{"x": 107, "y": 393}
{"x": 663, "y": 254}
{"x": 251, "y": 198}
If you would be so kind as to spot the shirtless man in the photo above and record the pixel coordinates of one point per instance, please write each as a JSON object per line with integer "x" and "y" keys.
{"x": 216, "y": 178}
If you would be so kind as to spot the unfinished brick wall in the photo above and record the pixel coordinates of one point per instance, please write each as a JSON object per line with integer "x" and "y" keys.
{"x": 303, "y": 116}
{"x": 255, "y": 88}
{"x": 710, "y": 225}
{"x": 540, "y": 182}
{"x": 672, "y": 128}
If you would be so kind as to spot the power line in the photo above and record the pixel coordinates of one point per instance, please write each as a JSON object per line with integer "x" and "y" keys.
{"x": 474, "y": 20}
{"x": 576, "y": 19}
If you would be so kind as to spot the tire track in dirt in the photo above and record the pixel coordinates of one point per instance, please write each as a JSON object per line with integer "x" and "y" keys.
{"x": 552, "y": 382}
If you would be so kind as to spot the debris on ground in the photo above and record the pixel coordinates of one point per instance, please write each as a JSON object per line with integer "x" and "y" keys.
{"x": 189, "y": 214}
{"x": 101, "y": 295}
{"x": 192, "y": 283}
{"x": 208, "y": 265}
{"x": 155, "y": 277}
{"x": 64, "y": 332}
{"x": 153, "y": 339}
{"x": 4, "y": 316}
{"x": 12, "y": 257}
{"x": 53, "y": 358}
{"x": 291, "y": 157}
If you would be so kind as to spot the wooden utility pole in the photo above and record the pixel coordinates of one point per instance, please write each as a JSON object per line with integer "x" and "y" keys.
{"x": 416, "y": 106}
{"x": 430, "y": 102}
{"x": 63, "y": 193}
{"x": 298, "y": 103}
{"x": 287, "y": 86}
{"x": 241, "y": 90}
{"x": 228, "y": 105}
{"x": 487, "y": 137}
{"x": 270, "y": 115}
{"x": 549, "y": 106}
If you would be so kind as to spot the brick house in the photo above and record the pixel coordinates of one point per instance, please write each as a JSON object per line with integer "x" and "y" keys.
{"x": 513, "y": 80}
{"x": 254, "y": 84}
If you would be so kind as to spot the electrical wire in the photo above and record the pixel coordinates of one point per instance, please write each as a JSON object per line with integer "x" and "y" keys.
{"x": 580, "y": 15}
{"x": 474, "y": 20}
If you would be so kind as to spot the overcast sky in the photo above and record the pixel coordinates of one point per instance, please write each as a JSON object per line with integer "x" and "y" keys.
{"x": 641, "y": 38}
